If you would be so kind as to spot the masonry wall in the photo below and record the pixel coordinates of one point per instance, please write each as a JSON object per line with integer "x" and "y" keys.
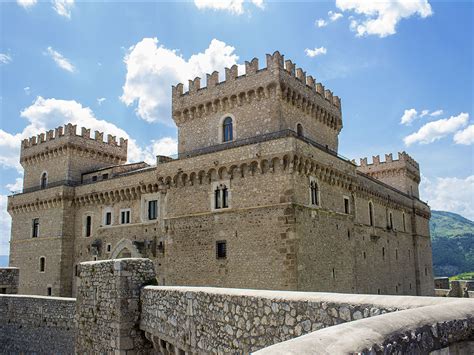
{"x": 35, "y": 324}
{"x": 9, "y": 279}
{"x": 219, "y": 320}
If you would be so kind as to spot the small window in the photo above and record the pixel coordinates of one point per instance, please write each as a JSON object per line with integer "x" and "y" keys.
{"x": 221, "y": 197}
{"x": 396, "y": 289}
{"x": 383, "y": 253}
{"x": 42, "y": 264}
{"x": 88, "y": 226}
{"x": 76, "y": 270}
{"x": 152, "y": 209}
{"x": 390, "y": 221}
{"x": 3, "y": 291}
{"x": 333, "y": 273}
{"x": 371, "y": 214}
{"x": 109, "y": 248}
{"x": 221, "y": 249}
{"x": 125, "y": 216}
{"x": 35, "y": 228}
{"x": 94, "y": 178}
{"x": 44, "y": 180}
{"x": 108, "y": 218}
{"x": 314, "y": 189}
{"x": 404, "y": 225}
{"x": 426, "y": 271}
{"x": 396, "y": 254}
{"x": 50, "y": 291}
{"x": 378, "y": 291}
{"x": 227, "y": 134}
{"x": 346, "y": 205}
{"x": 105, "y": 176}
{"x": 365, "y": 255}
{"x": 299, "y": 130}
{"x": 349, "y": 234}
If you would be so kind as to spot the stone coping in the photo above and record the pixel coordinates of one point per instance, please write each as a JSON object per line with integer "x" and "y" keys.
{"x": 400, "y": 302}
{"x": 111, "y": 261}
{"x": 9, "y": 268}
{"x": 361, "y": 335}
{"x": 46, "y": 298}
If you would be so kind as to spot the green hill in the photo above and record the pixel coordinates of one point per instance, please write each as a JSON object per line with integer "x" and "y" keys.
{"x": 452, "y": 242}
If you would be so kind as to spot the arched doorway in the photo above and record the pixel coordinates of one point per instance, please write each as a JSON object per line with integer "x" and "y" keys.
{"x": 125, "y": 249}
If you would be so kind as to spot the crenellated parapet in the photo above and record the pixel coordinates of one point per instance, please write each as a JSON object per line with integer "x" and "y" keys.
{"x": 280, "y": 80}
{"x": 402, "y": 173}
{"x": 62, "y": 139}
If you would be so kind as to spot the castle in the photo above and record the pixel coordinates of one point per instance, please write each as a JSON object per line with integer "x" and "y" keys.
{"x": 258, "y": 197}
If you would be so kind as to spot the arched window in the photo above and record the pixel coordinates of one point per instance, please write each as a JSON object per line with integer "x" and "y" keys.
{"x": 314, "y": 193}
{"x": 221, "y": 197}
{"x": 42, "y": 264}
{"x": 299, "y": 130}
{"x": 44, "y": 180}
{"x": 371, "y": 214}
{"x": 227, "y": 130}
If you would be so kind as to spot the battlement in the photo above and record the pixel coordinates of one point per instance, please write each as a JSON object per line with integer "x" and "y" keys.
{"x": 403, "y": 158}
{"x": 70, "y": 130}
{"x": 275, "y": 64}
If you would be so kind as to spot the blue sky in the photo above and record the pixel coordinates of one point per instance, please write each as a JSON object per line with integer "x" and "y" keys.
{"x": 404, "y": 71}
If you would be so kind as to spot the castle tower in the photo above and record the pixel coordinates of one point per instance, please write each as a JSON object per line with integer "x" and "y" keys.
{"x": 60, "y": 156}
{"x": 43, "y": 216}
{"x": 270, "y": 100}
{"x": 402, "y": 174}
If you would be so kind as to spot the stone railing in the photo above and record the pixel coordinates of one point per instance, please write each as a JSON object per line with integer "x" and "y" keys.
{"x": 9, "y": 278}
{"x": 36, "y": 324}
{"x": 219, "y": 320}
{"x": 437, "y": 329}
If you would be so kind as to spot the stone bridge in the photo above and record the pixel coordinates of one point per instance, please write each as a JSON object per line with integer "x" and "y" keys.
{"x": 118, "y": 310}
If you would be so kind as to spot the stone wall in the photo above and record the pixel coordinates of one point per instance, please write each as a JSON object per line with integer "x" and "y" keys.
{"x": 108, "y": 310}
{"x": 36, "y": 324}
{"x": 200, "y": 320}
{"x": 9, "y": 278}
{"x": 434, "y": 329}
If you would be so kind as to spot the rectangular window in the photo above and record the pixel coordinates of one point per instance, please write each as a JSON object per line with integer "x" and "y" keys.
{"x": 35, "y": 228}
{"x": 108, "y": 218}
{"x": 3, "y": 291}
{"x": 225, "y": 197}
{"x": 346, "y": 205}
{"x": 109, "y": 248}
{"x": 94, "y": 178}
{"x": 50, "y": 291}
{"x": 88, "y": 226}
{"x": 221, "y": 249}
{"x": 125, "y": 217}
{"x": 152, "y": 209}
{"x": 105, "y": 176}
{"x": 217, "y": 198}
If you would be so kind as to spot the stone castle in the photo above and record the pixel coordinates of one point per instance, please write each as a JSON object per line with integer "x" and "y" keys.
{"x": 257, "y": 197}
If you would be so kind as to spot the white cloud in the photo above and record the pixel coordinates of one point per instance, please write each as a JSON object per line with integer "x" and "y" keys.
{"x": 44, "y": 114}
{"x": 165, "y": 146}
{"x": 334, "y": 16}
{"x": 5, "y": 58}
{"x": 5, "y": 225}
{"x": 63, "y": 7}
{"x": 16, "y": 186}
{"x": 435, "y": 130}
{"x": 436, "y": 113}
{"x": 315, "y": 52}
{"x": 27, "y": 90}
{"x": 381, "y": 17}
{"x": 233, "y": 6}
{"x": 465, "y": 137}
{"x": 26, "y": 3}
{"x": 321, "y": 23}
{"x": 449, "y": 194}
{"x": 424, "y": 113}
{"x": 100, "y": 100}
{"x": 409, "y": 116}
{"x": 152, "y": 69}
{"x": 60, "y": 60}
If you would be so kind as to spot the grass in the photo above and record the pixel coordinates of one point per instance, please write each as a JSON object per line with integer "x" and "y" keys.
{"x": 463, "y": 276}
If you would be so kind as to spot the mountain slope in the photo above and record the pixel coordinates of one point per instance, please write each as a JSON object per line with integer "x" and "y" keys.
{"x": 452, "y": 242}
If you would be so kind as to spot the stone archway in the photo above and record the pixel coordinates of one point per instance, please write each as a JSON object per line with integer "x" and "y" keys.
{"x": 125, "y": 249}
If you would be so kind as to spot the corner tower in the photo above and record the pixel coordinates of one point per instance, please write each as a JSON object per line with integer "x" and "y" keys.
{"x": 261, "y": 101}
{"x": 60, "y": 156}
{"x": 402, "y": 173}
